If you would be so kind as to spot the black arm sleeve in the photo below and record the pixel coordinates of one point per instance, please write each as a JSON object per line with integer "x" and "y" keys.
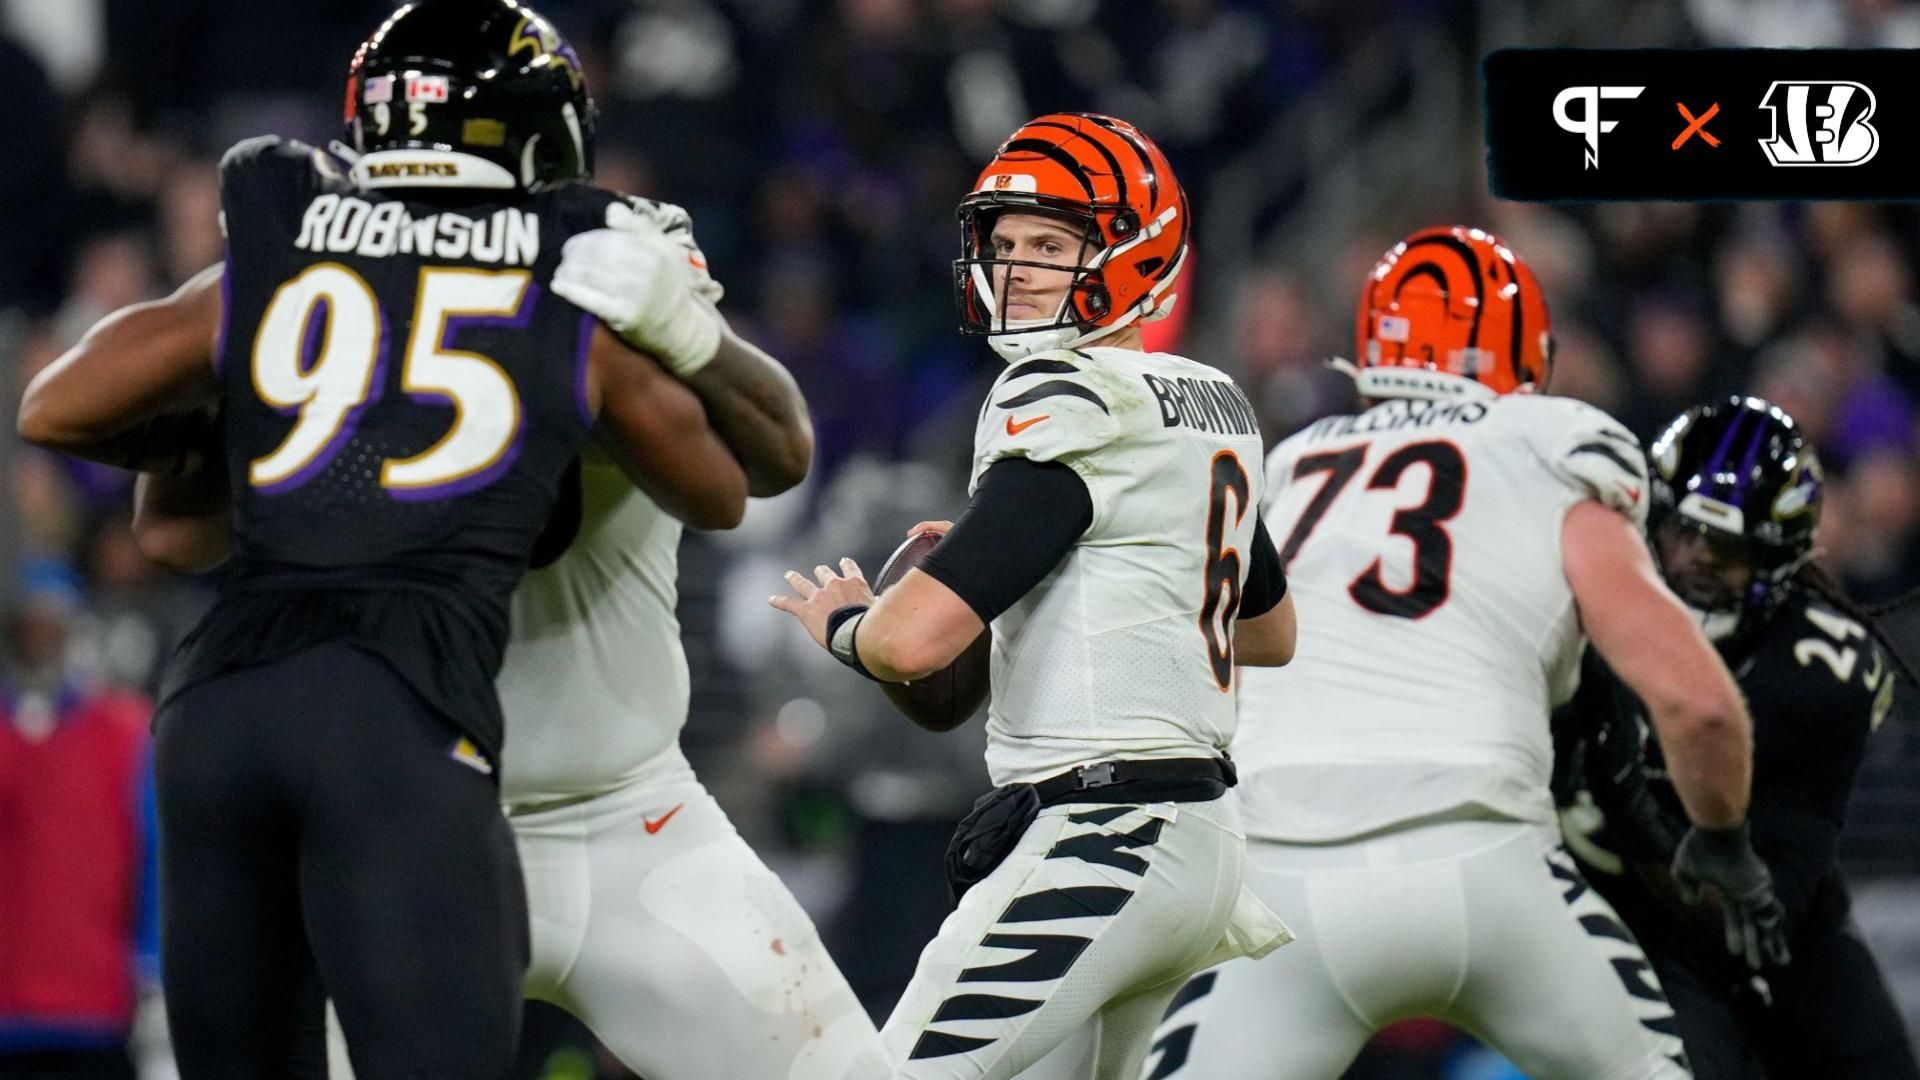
{"x": 1266, "y": 583}
{"x": 1024, "y": 518}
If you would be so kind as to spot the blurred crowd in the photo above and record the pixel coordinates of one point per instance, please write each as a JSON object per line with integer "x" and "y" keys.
{"x": 821, "y": 146}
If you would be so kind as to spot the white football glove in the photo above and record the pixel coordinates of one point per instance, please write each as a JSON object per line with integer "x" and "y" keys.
{"x": 648, "y": 283}
{"x": 645, "y": 217}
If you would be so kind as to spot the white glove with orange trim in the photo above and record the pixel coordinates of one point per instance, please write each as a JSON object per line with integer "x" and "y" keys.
{"x": 647, "y": 279}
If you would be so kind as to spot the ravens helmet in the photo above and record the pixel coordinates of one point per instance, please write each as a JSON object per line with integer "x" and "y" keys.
{"x": 1739, "y": 473}
{"x": 468, "y": 93}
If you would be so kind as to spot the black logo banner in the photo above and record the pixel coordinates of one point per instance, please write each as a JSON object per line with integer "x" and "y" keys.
{"x": 1705, "y": 124}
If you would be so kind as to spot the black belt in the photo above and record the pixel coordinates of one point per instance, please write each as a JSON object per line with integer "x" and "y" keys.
{"x": 1141, "y": 781}
{"x": 986, "y": 835}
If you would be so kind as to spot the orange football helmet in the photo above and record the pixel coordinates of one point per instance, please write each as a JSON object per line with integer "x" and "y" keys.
{"x": 1461, "y": 310}
{"x": 1111, "y": 181}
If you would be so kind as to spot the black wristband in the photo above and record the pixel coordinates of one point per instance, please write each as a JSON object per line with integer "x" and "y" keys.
{"x": 845, "y": 647}
{"x": 1728, "y": 842}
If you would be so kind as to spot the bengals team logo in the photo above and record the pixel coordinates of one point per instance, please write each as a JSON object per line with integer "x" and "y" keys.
{"x": 1008, "y": 182}
{"x": 1820, "y": 123}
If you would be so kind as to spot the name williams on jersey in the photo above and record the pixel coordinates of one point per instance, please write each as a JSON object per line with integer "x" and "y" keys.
{"x": 1395, "y": 415}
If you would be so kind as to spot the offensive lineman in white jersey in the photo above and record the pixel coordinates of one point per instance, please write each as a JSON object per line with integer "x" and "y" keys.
{"x": 1107, "y": 545}
{"x": 652, "y": 920}
{"x": 1450, "y": 546}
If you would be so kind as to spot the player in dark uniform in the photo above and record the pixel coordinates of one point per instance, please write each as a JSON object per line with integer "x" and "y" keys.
{"x": 1736, "y": 497}
{"x": 391, "y": 392}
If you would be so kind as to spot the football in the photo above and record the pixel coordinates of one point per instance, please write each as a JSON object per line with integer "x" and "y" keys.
{"x": 949, "y": 697}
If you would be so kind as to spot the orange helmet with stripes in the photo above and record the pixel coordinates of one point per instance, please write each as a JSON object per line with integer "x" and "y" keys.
{"x": 1450, "y": 312}
{"x": 1114, "y": 185}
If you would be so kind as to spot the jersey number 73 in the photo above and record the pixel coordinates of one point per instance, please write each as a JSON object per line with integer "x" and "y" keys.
{"x": 1423, "y": 523}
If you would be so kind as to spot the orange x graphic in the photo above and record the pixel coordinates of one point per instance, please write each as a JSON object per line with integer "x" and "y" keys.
{"x": 1697, "y": 125}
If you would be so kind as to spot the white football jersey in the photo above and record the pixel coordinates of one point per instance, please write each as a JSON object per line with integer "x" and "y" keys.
{"x": 594, "y": 686}
{"x": 1125, "y": 650}
{"x": 1437, "y": 628}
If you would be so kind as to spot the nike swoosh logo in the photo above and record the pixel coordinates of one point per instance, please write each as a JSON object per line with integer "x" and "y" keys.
{"x": 1015, "y": 429}
{"x": 655, "y": 826}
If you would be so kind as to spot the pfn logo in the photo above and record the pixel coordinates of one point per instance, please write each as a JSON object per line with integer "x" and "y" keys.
{"x": 1826, "y": 124}
{"x": 1588, "y": 124}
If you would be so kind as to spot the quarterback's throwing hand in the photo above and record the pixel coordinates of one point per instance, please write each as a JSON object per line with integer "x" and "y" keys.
{"x": 814, "y": 602}
{"x": 1756, "y": 924}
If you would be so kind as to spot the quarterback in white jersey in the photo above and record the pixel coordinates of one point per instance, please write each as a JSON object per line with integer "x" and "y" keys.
{"x": 1109, "y": 546}
{"x": 652, "y": 920}
{"x": 1451, "y": 547}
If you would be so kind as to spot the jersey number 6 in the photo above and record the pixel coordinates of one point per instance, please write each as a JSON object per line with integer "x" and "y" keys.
{"x": 1424, "y": 524}
{"x": 1221, "y": 605}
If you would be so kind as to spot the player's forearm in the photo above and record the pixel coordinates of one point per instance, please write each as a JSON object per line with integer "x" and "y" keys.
{"x": 755, "y": 405}
{"x": 126, "y": 394}
{"x": 173, "y": 444}
{"x": 1710, "y": 761}
{"x": 1267, "y": 640}
{"x": 702, "y": 487}
{"x": 1647, "y": 637}
{"x": 916, "y": 629}
{"x": 1696, "y": 709}
{"x": 184, "y": 523}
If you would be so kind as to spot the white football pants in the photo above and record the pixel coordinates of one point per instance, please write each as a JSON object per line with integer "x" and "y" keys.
{"x": 1096, "y": 917}
{"x": 1486, "y": 925}
{"x": 656, "y": 925}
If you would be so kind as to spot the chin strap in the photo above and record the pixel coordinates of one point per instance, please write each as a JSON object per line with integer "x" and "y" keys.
{"x": 1718, "y": 626}
{"x": 1015, "y": 344}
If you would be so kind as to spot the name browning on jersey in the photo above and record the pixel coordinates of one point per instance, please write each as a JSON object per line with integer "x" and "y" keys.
{"x": 1414, "y": 414}
{"x": 1213, "y": 405}
{"x": 342, "y": 223}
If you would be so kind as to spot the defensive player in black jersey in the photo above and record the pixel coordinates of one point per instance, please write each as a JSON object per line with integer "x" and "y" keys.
{"x": 391, "y": 389}
{"x": 1736, "y": 497}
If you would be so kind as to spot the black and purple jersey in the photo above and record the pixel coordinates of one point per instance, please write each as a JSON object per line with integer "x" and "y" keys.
{"x": 402, "y": 396}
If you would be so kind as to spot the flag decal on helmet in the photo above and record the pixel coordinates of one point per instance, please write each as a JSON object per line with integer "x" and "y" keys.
{"x": 1459, "y": 307}
{"x": 488, "y": 82}
{"x": 427, "y": 88}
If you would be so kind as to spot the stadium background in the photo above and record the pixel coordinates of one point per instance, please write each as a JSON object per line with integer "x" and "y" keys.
{"x": 821, "y": 146}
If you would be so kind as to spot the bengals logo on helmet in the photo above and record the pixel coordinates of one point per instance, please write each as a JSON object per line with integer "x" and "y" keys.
{"x": 1109, "y": 179}
{"x": 1455, "y": 302}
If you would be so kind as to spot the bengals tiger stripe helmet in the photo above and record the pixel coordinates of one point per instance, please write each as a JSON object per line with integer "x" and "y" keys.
{"x": 1452, "y": 312}
{"x": 1117, "y": 188}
